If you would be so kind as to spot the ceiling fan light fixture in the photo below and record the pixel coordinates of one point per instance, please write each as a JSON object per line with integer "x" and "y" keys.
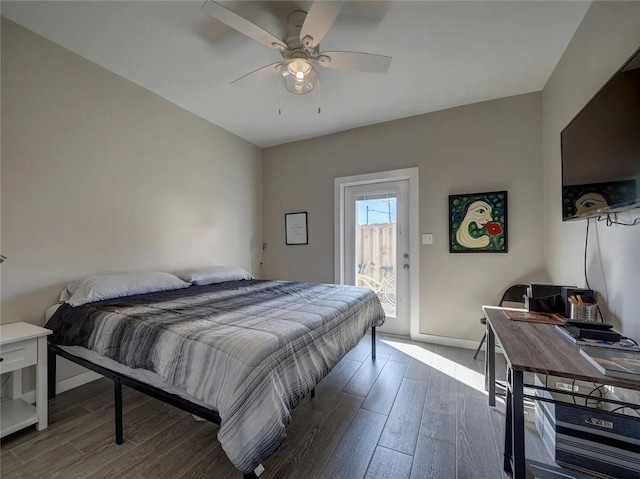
{"x": 299, "y": 76}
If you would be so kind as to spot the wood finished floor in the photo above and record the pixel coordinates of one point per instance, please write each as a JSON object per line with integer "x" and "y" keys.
{"x": 408, "y": 415}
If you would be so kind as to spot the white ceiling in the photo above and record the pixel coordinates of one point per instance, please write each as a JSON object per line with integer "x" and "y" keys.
{"x": 445, "y": 54}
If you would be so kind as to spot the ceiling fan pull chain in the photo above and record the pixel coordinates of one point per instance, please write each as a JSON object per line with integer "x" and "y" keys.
{"x": 279, "y": 98}
{"x": 319, "y": 98}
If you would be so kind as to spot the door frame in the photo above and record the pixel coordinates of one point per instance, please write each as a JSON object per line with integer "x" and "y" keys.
{"x": 410, "y": 174}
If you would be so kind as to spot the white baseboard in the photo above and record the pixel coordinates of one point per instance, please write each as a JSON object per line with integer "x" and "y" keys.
{"x": 445, "y": 341}
{"x": 66, "y": 384}
{"x": 75, "y": 381}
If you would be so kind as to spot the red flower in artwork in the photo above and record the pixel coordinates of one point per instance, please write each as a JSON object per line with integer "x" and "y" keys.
{"x": 494, "y": 229}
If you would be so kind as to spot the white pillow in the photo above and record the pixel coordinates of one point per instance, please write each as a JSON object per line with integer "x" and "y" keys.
{"x": 97, "y": 288}
{"x": 213, "y": 274}
{"x": 68, "y": 291}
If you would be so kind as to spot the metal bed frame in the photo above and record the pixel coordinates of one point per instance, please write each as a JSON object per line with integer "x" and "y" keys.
{"x": 120, "y": 379}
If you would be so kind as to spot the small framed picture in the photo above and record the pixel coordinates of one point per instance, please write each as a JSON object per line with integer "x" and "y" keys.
{"x": 478, "y": 223}
{"x": 295, "y": 225}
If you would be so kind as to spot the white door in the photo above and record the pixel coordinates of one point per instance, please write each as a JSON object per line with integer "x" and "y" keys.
{"x": 376, "y": 246}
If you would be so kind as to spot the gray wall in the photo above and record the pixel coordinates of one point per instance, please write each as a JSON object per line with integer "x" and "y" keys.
{"x": 607, "y": 37}
{"x": 100, "y": 175}
{"x": 482, "y": 147}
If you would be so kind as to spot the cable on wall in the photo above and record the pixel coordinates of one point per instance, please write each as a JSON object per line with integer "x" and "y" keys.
{"x": 586, "y": 248}
{"x": 586, "y": 278}
{"x": 264, "y": 247}
{"x": 614, "y": 221}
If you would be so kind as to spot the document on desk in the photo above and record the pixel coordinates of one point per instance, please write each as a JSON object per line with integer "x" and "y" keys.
{"x": 614, "y": 362}
{"x": 534, "y": 317}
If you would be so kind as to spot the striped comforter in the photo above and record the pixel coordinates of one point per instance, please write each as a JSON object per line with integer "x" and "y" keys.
{"x": 249, "y": 349}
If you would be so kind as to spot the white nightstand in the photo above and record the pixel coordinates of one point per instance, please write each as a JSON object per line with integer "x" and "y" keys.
{"x": 22, "y": 345}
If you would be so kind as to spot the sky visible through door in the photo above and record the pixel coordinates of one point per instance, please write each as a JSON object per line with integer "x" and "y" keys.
{"x": 373, "y": 210}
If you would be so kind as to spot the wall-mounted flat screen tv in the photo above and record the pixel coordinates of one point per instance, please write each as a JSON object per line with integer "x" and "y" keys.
{"x": 601, "y": 149}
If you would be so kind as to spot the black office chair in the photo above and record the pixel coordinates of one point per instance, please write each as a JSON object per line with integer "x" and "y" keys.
{"x": 513, "y": 294}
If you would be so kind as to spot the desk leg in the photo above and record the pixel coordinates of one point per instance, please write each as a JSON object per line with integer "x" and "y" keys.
{"x": 491, "y": 364}
{"x": 517, "y": 424}
{"x": 41, "y": 384}
{"x": 508, "y": 427}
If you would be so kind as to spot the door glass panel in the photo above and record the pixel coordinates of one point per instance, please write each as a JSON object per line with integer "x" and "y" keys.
{"x": 376, "y": 247}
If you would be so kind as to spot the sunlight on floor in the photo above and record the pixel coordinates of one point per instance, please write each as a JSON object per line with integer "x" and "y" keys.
{"x": 452, "y": 369}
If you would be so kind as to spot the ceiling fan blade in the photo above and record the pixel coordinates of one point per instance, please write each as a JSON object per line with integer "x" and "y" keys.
{"x": 263, "y": 73}
{"x": 318, "y": 22}
{"x": 243, "y": 25}
{"x": 355, "y": 61}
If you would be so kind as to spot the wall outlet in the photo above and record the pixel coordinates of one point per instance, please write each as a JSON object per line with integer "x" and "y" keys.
{"x": 427, "y": 238}
{"x": 567, "y": 387}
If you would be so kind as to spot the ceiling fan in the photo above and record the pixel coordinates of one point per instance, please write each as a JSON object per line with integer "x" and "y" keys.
{"x": 301, "y": 48}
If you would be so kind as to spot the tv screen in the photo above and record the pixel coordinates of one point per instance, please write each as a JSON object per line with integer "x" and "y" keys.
{"x": 601, "y": 149}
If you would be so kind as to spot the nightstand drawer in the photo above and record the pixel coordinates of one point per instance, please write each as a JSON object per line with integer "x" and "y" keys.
{"x": 18, "y": 355}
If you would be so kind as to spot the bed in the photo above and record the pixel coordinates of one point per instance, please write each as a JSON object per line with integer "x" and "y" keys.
{"x": 242, "y": 354}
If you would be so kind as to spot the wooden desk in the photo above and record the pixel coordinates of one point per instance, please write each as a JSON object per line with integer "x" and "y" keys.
{"x": 536, "y": 348}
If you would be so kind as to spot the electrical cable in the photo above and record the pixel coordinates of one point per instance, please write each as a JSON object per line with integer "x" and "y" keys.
{"x": 586, "y": 278}
{"x": 586, "y": 247}
{"x": 611, "y": 222}
{"x": 264, "y": 247}
{"x": 636, "y": 409}
{"x": 598, "y": 400}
